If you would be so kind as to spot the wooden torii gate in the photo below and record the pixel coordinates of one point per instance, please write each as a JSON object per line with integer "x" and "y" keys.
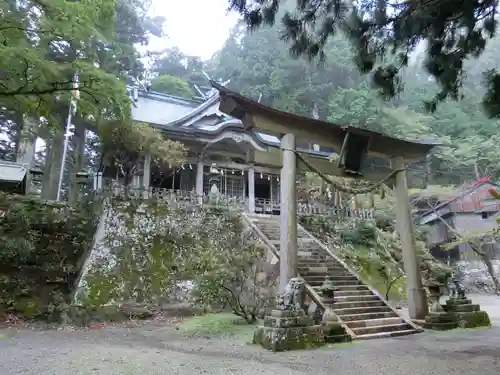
{"x": 355, "y": 148}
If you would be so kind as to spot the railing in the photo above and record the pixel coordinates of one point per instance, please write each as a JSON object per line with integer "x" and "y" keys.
{"x": 183, "y": 198}
{"x": 314, "y": 208}
{"x": 177, "y": 198}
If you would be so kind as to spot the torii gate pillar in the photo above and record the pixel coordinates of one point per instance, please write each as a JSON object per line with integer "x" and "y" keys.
{"x": 288, "y": 212}
{"x": 417, "y": 299}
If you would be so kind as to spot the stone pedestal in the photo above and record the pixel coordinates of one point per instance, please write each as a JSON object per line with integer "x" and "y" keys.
{"x": 457, "y": 312}
{"x": 440, "y": 321}
{"x": 467, "y": 314}
{"x": 289, "y": 330}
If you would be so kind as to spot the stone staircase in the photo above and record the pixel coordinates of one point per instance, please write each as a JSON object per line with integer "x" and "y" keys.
{"x": 362, "y": 310}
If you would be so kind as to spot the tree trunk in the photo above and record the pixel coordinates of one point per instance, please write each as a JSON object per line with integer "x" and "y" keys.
{"x": 476, "y": 171}
{"x": 489, "y": 266}
{"x": 47, "y": 167}
{"x": 78, "y": 159}
{"x": 26, "y": 140}
{"x": 53, "y": 162}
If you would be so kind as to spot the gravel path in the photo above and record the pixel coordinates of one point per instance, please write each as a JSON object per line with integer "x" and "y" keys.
{"x": 161, "y": 350}
{"x": 157, "y": 350}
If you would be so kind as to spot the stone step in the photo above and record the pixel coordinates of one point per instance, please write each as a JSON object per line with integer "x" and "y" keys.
{"x": 380, "y": 335}
{"x": 272, "y": 229}
{"x": 346, "y": 288}
{"x": 322, "y": 275}
{"x": 356, "y": 298}
{"x": 354, "y": 292}
{"x": 361, "y": 310}
{"x": 338, "y": 283}
{"x": 353, "y": 304}
{"x": 374, "y": 322}
{"x": 330, "y": 262}
{"x": 327, "y": 267}
{"x": 333, "y": 267}
{"x": 382, "y": 328}
{"x": 316, "y": 277}
{"x": 366, "y": 316}
{"x": 323, "y": 270}
{"x": 303, "y": 245}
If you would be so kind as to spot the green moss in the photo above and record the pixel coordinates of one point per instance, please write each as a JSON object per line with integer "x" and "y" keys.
{"x": 473, "y": 319}
{"x": 218, "y": 325}
{"x": 397, "y": 291}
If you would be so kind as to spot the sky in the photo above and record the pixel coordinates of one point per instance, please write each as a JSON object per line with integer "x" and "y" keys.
{"x": 197, "y": 27}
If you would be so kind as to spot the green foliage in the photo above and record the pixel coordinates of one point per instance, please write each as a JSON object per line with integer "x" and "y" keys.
{"x": 125, "y": 142}
{"x": 33, "y": 75}
{"x": 174, "y": 63}
{"x": 42, "y": 245}
{"x": 385, "y": 35}
{"x": 172, "y": 85}
{"x": 259, "y": 66}
{"x": 232, "y": 279}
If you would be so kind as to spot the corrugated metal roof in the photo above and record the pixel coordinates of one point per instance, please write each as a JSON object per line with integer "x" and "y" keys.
{"x": 12, "y": 172}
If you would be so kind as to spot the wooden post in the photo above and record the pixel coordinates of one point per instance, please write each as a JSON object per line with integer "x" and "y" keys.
{"x": 251, "y": 190}
{"x": 288, "y": 212}
{"x": 199, "y": 182}
{"x": 417, "y": 299}
{"x": 146, "y": 177}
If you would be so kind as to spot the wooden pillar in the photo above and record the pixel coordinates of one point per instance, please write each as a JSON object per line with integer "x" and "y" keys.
{"x": 146, "y": 176}
{"x": 288, "y": 212}
{"x": 251, "y": 190}
{"x": 199, "y": 182}
{"x": 417, "y": 299}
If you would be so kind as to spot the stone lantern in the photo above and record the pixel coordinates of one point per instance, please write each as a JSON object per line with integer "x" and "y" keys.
{"x": 35, "y": 180}
{"x": 332, "y": 328}
{"x": 82, "y": 178}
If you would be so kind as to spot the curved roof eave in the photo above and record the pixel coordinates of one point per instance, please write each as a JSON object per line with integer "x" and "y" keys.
{"x": 233, "y": 125}
{"x": 229, "y": 126}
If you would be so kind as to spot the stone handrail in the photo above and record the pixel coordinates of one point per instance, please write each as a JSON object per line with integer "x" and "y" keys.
{"x": 354, "y": 273}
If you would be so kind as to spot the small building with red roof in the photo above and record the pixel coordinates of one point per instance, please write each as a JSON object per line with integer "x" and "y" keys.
{"x": 471, "y": 210}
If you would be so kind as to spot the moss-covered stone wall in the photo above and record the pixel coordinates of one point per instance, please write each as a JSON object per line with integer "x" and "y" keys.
{"x": 146, "y": 252}
{"x": 42, "y": 245}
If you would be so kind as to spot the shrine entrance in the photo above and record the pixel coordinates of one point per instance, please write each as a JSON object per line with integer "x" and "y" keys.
{"x": 361, "y": 154}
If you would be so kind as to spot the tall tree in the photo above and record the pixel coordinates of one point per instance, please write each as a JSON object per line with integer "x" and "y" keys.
{"x": 385, "y": 34}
